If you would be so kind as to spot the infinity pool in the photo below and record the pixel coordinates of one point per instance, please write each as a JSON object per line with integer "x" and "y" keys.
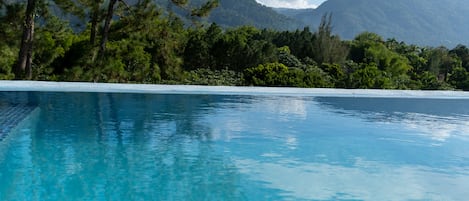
{"x": 118, "y": 146}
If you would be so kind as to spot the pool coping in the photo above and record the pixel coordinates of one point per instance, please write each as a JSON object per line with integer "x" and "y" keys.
{"x": 47, "y": 86}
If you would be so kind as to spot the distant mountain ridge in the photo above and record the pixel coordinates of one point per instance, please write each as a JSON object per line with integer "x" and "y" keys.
{"x": 229, "y": 13}
{"x": 422, "y": 22}
{"x": 249, "y": 12}
{"x": 233, "y": 13}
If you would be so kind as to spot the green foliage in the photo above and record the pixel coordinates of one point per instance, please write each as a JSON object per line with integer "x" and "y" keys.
{"x": 242, "y": 48}
{"x": 461, "y": 52}
{"x": 146, "y": 45}
{"x": 7, "y": 60}
{"x": 285, "y": 57}
{"x": 441, "y": 62}
{"x": 321, "y": 46}
{"x": 180, "y": 2}
{"x": 235, "y": 13}
{"x": 143, "y": 47}
{"x": 204, "y": 10}
{"x": 51, "y": 42}
{"x": 299, "y": 42}
{"x": 459, "y": 78}
{"x": 9, "y": 37}
{"x": 199, "y": 50}
{"x": 271, "y": 74}
{"x": 203, "y": 76}
{"x": 126, "y": 62}
{"x": 76, "y": 61}
{"x": 370, "y": 48}
{"x": 277, "y": 74}
{"x": 328, "y": 48}
{"x": 337, "y": 74}
{"x": 368, "y": 76}
{"x": 316, "y": 77}
{"x": 11, "y": 24}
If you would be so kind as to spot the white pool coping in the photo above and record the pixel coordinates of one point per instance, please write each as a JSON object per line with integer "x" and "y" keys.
{"x": 223, "y": 90}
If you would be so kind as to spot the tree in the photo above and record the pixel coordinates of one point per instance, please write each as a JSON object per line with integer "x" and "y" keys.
{"x": 204, "y": 10}
{"x": 441, "y": 63}
{"x": 52, "y": 40}
{"x": 459, "y": 78}
{"x": 10, "y": 39}
{"x": 462, "y": 52}
{"x": 242, "y": 48}
{"x": 95, "y": 13}
{"x": 328, "y": 48}
{"x": 23, "y": 68}
{"x": 368, "y": 76}
{"x": 197, "y": 12}
{"x": 369, "y": 48}
{"x": 285, "y": 57}
{"x": 271, "y": 74}
{"x": 362, "y": 42}
{"x": 336, "y": 72}
{"x": 107, "y": 26}
{"x": 25, "y": 57}
{"x": 197, "y": 51}
{"x": 85, "y": 9}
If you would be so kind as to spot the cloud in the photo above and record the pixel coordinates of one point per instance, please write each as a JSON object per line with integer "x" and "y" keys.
{"x": 291, "y": 3}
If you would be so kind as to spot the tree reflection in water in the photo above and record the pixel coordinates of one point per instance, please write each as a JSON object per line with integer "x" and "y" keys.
{"x": 126, "y": 146}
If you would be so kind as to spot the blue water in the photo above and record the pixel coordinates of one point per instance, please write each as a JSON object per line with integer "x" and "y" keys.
{"x": 97, "y": 146}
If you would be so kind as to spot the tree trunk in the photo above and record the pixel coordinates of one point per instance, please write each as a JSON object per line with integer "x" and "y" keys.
{"x": 25, "y": 57}
{"x": 94, "y": 22}
{"x": 107, "y": 26}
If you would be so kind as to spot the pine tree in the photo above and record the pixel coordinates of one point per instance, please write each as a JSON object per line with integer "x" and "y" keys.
{"x": 25, "y": 57}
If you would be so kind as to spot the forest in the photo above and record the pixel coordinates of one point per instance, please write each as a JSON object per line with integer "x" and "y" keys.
{"x": 143, "y": 42}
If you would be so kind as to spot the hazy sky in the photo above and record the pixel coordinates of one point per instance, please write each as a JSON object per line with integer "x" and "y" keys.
{"x": 291, "y": 3}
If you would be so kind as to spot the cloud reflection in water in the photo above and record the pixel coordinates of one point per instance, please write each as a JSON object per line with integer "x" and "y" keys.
{"x": 366, "y": 180}
{"x": 353, "y": 148}
{"x": 436, "y": 119}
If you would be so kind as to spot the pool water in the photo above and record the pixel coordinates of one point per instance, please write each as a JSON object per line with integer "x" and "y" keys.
{"x": 116, "y": 146}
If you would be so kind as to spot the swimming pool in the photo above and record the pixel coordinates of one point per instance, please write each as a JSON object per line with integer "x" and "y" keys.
{"x": 127, "y": 146}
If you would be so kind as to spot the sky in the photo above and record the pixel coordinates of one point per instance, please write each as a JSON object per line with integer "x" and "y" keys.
{"x": 291, "y": 3}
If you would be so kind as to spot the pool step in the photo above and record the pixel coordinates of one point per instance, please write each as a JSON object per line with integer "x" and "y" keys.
{"x": 11, "y": 115}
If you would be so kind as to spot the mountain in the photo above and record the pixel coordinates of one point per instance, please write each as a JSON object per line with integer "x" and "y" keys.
{"x": 249, "y": 12}
{"x": 422, "y": 22}
{"x": 233, "y": 13}
{"x": 229, "y": 13}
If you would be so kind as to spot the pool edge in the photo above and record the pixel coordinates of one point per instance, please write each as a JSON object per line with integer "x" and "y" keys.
{"x": 47, "y": 86}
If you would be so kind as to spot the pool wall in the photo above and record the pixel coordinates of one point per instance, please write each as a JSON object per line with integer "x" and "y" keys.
{"x": 227, "y": 90}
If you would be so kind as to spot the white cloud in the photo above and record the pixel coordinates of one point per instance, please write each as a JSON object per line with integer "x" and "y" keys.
{"x": 291, "y": 3}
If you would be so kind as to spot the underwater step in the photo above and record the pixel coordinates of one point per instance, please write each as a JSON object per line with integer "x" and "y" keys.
{"x": 11, "y": 115}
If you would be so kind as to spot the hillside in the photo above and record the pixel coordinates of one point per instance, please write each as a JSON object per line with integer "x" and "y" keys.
{"x": 233, "y": 13}
{"x": 249, "y": 12}
{"x": 229, "y": 13}
{"x": 422, "y": 22}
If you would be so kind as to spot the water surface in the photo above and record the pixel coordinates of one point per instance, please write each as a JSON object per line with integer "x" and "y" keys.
{"x": 105, "y": 146}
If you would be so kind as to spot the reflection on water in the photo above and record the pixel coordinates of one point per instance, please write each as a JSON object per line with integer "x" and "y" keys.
{"x": 437, "y": 119}
{"x": 434, "y": 107}
{"x": 90, "y": 146}
{"x": 118, "y": 147}
{"x": 364, "y": 181}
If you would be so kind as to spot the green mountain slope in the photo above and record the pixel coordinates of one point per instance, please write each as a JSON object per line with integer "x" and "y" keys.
{"x": 229, "y": 13}
{"x": 249, "y": 12}
{"x": 232, "y": 13}
{"x": 423, "y": 22}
